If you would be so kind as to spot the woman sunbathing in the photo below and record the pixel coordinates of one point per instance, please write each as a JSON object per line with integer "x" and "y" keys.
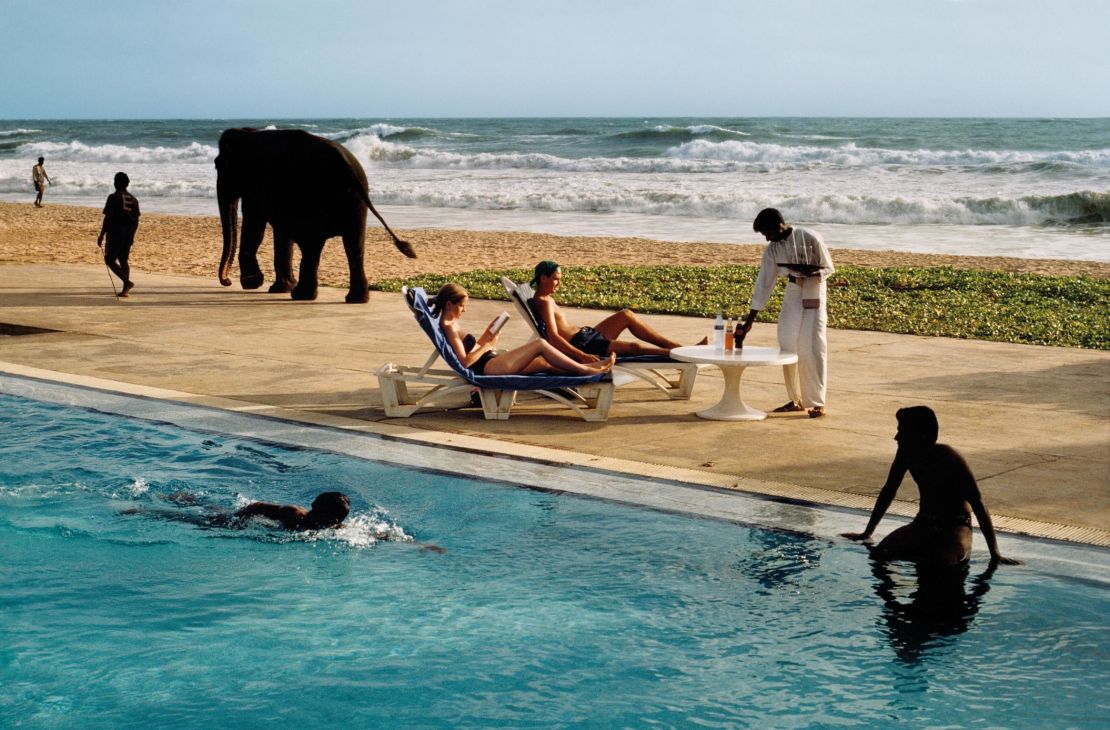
{"x": 478, "y": 353}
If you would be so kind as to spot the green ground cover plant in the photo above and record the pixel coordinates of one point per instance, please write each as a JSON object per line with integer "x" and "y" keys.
{"x": 1066, "y": 311}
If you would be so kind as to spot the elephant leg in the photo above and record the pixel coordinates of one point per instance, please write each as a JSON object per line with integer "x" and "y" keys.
{"x": 305, "y": 290}
{"x": 254, "y": 227}
{"x": 354, "y": 244}
{"x": 283, "y": 263}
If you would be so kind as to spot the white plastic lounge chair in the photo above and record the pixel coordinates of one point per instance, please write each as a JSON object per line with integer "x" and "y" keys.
{"x": 590, "y": 396}
{"x": 648, "y": 368}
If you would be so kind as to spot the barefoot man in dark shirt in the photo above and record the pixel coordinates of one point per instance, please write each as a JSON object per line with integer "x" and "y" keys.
{"x": 121, "y": 220}
{"x": 940, "y": 534}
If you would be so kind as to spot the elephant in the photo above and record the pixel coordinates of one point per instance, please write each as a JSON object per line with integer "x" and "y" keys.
{"x": 308, "y": 189}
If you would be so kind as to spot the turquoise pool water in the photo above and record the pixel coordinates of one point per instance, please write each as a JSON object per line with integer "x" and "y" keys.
{"x": 546, "y": 610}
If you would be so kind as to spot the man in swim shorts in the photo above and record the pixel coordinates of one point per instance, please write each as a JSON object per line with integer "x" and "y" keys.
{"x": 40, "y": 180}
{"x": 589, "y": 344}
{"x": 940, "y": 534}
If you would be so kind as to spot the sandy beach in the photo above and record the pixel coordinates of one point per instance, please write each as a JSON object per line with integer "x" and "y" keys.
{"x": 172, "y": 244}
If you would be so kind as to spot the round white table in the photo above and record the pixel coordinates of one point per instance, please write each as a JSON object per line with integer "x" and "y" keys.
{"x": 732, "y": 407}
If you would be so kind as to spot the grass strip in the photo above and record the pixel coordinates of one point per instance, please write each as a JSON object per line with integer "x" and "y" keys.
{"x": 1065, "y": 311}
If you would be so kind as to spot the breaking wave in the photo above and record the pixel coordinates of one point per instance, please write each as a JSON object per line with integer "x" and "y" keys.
{"x": 705, "y": 156}
{"x": 1083, "y": 208}
{"x": 665, "y": 133}
{"x": 81, "y": 152}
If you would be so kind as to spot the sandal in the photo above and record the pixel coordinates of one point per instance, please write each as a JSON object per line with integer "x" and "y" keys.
{"x": 790, "y": 407}
{"x": 817, "y": 412}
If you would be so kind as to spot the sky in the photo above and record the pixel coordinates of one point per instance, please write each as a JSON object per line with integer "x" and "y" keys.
{"x": 525, "y": 58}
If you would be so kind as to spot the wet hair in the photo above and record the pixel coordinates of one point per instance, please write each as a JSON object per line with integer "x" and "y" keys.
{"x": 919, "y": 423}
{"x": 450, "y": 292}
{"x": 42, "y": 160}
{"x": 543, "y": 268}
{"x": 121, "y": 181}
{"x": 331, "y": 508}
{"x": 768, "y": 220}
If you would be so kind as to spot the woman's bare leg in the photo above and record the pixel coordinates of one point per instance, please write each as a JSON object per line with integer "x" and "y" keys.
{"x": 539, "y": 355}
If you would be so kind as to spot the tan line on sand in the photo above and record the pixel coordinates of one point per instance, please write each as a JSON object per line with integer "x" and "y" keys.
{"x": 174, "y": 244}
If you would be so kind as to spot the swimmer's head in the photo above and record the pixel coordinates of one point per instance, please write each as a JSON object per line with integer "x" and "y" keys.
{"x": 917, "y": 425}
{"x": 42, "y": 160}
{"x": 330, "y": 509}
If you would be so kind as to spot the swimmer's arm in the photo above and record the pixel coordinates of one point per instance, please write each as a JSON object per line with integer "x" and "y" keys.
{"x": 289, "y": 517}
{"x": 986, "y": 526}
{"x": 898, "y": 470}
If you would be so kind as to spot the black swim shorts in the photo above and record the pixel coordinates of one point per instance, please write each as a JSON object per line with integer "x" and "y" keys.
{"x": 591, "y": 341}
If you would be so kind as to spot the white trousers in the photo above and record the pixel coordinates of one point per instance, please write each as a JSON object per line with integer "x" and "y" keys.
{"x": 802, "y": 331}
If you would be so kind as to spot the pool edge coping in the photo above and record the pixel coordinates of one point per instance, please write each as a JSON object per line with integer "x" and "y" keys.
{"x": 548, "y": 456}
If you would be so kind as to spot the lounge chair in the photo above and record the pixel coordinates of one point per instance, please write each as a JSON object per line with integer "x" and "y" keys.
{"x": 648, "y": 368}
{"x": 590, "y": 396}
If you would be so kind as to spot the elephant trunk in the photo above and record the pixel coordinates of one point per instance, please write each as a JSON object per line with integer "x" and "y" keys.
{"x": 229, "y": 220}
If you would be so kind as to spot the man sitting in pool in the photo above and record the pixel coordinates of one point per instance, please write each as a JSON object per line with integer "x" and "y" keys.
{"x": 940, "y": 534}
{"x": 328, "y": 510}
{"x": 589, "y": 344}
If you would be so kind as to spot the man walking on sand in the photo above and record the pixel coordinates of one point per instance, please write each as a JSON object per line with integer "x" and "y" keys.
{"x": 41, "y": 180}
{"x": 121, "y": 220}
{"x": 799, "y": 255}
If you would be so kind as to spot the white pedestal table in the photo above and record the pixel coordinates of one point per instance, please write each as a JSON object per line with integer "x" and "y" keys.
{"x": 732, "y": 407}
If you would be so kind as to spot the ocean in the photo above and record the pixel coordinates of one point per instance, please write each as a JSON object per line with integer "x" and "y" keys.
{"x": 1037, "y": 188}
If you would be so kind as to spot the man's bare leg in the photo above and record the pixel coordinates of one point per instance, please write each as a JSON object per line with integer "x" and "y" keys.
{"x": 612, "y": 326}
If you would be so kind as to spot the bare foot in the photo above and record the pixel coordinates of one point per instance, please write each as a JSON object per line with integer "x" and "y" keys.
{"x": 127, "y": 287}
{"x": 603, "y": 366}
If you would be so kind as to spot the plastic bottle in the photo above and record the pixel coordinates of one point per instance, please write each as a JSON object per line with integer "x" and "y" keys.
{"x": 719, "y": 332}
{"x": 738, "y": 336}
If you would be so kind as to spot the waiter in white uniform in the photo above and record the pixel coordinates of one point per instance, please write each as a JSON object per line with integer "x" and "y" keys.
{"x": 800, "y": 256}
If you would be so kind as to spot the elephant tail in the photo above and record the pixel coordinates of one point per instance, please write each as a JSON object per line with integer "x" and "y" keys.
{"x": 403, "y": 246}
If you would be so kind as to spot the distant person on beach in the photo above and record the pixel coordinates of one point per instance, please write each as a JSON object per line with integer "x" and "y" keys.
{"x": 478, "y": 353}
{"x": 940, "y": 534}
{"x": 590, "y": 344}
{"x": 121, "y": 220}
{"x": 800, "y": 256}
{"x": 41, "y": 180}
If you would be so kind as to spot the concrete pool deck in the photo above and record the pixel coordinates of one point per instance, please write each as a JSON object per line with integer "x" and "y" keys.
{"x": 1033, "y": 422}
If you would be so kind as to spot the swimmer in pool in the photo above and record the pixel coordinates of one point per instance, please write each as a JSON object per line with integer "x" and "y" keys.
{"x": 940, "y": 534}
{"x": 328, "y": 511}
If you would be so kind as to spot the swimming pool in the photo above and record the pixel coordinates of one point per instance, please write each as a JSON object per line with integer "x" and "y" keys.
{"x": 546, "y": 609}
